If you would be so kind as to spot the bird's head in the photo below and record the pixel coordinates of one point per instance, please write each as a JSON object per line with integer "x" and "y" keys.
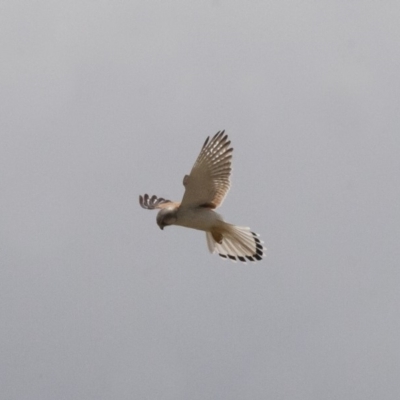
{"x": 165, "y": 217}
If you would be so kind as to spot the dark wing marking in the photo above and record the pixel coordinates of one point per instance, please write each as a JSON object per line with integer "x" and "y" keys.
{"x": 153, "y": 202}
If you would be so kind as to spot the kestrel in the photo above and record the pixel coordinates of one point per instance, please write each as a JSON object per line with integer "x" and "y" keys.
{"x": 205, "y": 190}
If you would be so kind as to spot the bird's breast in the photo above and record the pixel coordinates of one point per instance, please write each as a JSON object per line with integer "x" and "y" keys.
{"x": 202, "y": 219}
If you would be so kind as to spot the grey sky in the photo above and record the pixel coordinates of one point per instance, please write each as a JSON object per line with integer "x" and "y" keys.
{"x": 104, "y": 100}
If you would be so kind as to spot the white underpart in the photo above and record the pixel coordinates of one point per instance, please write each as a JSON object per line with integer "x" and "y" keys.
{"x": 202, "y": 219}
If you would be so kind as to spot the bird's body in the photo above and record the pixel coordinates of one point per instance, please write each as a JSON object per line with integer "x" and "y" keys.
{"x": 200, "y": 218}
{"x": 205, "y": 189}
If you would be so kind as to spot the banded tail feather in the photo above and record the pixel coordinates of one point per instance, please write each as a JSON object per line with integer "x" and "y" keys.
{"x": 238, "y": 244}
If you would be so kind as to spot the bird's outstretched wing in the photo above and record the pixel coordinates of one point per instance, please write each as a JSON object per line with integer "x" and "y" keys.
{"x": 208, "y": 182}
{"x": 153, "y": 202}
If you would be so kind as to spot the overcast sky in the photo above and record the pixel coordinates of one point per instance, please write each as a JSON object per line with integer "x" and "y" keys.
{"x": 104, "y": 100}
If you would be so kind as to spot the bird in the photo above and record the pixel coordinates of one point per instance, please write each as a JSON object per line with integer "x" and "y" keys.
{"x": 205, "y": 189}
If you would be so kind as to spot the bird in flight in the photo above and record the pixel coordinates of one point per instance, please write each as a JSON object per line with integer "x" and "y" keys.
{"x": 205, "y": 190}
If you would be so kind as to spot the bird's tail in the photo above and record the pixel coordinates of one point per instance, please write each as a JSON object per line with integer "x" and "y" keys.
{"x": 236, "y": 243}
